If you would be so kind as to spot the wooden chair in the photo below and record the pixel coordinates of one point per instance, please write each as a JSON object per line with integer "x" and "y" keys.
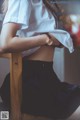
{"x": 15, "y": 87}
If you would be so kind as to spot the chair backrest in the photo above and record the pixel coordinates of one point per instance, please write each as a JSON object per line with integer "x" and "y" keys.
{"x": 15, "y": 83}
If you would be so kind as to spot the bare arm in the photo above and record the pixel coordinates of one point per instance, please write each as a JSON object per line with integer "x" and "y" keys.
{"x": 11, "y": 43}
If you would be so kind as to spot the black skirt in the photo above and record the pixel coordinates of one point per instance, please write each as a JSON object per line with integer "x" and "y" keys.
{"x": 42, "y": 92}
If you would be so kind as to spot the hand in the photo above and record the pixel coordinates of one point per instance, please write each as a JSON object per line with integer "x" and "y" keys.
{"x": 53, "y": 41}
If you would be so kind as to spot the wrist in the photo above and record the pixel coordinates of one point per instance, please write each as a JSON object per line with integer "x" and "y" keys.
{"x": 44, "y": 39}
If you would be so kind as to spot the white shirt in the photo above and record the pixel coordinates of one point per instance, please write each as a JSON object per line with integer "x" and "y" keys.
{"x": 34, "y": 19}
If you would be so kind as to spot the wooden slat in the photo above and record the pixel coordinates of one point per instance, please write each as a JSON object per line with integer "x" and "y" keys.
{"x": 7, "y": 55}
{"x": 15, "y": 84}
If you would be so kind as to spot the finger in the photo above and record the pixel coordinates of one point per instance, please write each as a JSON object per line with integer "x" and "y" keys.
{"x": 50, "y": 43}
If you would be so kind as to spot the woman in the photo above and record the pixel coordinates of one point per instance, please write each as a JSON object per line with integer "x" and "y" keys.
{"x": 26, "y": 26}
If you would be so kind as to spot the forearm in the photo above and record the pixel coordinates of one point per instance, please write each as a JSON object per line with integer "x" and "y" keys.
{"x": 17, "y": 44}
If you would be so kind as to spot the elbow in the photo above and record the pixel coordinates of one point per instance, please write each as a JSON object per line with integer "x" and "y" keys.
{"x": 8, "y": 45}
{"x": 4, "y": 46}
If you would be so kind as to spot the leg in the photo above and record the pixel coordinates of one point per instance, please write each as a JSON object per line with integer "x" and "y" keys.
{"x": 43, "y": 91}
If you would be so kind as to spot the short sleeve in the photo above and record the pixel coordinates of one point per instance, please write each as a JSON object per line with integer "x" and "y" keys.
{"x": 18, "y": 12}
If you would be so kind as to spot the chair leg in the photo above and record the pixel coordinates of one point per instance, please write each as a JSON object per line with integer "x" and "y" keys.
{"x": 15, "y": 85}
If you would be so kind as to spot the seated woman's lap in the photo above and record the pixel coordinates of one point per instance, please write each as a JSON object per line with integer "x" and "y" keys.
{"x": 43, "y": 93}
